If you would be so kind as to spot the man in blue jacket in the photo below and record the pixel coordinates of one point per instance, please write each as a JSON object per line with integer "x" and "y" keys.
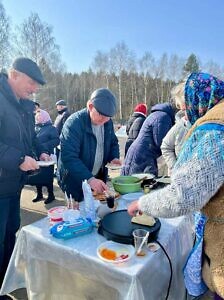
{"x": 17, "y": 139}
{"x": 88, "y": 143}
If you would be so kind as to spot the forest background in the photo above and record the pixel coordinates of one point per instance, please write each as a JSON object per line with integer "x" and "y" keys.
{"x": 132, "y": 79}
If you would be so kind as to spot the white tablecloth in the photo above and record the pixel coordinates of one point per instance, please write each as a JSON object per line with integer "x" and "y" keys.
{"x": 55, "y": 269}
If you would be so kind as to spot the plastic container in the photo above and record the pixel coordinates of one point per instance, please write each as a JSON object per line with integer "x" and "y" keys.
{"x": 67, "y": 230}
{"x": 55, "y": 214}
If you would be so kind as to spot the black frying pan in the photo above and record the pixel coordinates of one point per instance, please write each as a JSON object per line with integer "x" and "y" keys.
{"x": 117, "y": 226}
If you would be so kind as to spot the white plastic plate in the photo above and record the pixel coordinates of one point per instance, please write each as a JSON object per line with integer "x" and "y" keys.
{"x": 123, "y": 252}
{"x": 132, "y": 196}
{"x": 142, "y": 175}
{"x": 43, "y": 163}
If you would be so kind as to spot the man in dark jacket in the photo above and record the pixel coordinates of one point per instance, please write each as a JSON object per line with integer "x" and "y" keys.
{"x": 144, "y": 151}
{"x": 88, "y": 143}
{"x": 62, "y": 116}
{"x": 17, "y": 139}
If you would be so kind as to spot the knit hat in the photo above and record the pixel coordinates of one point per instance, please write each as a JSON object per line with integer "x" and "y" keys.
{"x": 61, "y": 102}
{"x": 202, "y": 92}
{"x": 42, "y": 117}
{"x": 104, "y": 102}
{"x": 141, "y": 107}
{"x": 30, "y": 68}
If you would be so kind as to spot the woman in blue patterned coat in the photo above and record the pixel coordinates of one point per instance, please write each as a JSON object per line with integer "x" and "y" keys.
{"x": 197, "y": 183}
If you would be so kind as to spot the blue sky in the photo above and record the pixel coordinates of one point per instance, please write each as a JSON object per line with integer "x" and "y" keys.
{"x": 81, "y": 27}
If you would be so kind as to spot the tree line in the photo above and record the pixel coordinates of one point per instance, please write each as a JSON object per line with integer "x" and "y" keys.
{"x": 131, "y": 79}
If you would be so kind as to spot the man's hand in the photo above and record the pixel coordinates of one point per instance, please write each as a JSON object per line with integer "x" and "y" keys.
{"x": 45, "y": 157}
{"x": 29, "y": 164}
{"x": 97, "y": 185}
{"x": 133, "y": 208}
{"x": 116, "y": 161}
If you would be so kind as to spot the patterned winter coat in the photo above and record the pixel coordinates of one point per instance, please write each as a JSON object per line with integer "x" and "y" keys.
{"x": 198, "y": 184}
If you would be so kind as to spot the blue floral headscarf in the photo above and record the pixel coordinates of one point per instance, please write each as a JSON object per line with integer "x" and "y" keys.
{"x": 202, "y": 92}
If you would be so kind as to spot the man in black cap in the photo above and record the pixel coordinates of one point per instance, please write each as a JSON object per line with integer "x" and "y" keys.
{"x": 17, "y": 138}
{"x": 62, "y": 116}
{"x": 88, "y": 143}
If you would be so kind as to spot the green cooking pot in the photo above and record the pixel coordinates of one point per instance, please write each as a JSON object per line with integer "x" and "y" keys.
{"x": 126, "y": 184}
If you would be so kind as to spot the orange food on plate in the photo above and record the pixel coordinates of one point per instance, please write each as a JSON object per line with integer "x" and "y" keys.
{"x": 108, "y": 254}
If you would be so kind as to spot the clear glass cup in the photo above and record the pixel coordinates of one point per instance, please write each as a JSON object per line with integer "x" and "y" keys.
{"x": 139, "y": 235}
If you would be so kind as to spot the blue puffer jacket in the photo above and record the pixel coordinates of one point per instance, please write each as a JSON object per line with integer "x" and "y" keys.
{"x": 144, "y": 151}
{"x": 17, "y": 138}
{"x": 78, "y": 147}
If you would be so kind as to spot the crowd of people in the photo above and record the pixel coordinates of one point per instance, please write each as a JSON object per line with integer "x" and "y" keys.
{"x": 191, "y": 142}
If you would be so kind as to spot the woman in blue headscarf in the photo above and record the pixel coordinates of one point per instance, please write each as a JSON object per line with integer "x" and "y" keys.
{"x": 197, "y": 183}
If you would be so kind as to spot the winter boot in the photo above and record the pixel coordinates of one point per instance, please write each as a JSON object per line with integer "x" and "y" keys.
{"x": 49, "y": 199}
{"x": 39, "y": 196}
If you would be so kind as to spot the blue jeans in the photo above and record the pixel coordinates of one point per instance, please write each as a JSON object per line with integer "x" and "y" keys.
{"x": 9, "y": 225}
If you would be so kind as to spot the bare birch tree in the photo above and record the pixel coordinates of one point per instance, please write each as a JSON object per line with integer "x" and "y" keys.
{"x": 119, "y": 61}
{"x": 147, "y": 67}
{"x": 132, "y": 68}
{"x": 34, "y": 39}
{"x": 4, "y": 38}
{"x": 214, "y": 68}
{"x": 101, "y": 65}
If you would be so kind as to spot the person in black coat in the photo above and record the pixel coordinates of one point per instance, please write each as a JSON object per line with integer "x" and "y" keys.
{"x": 48, "y": 137}
{"x": 17, "y": 141}
{"x": 145, "y": 150}
{"x": 135, "y": 123}
{"x": 59, "y": 122}
{"x": 62, "y": 116}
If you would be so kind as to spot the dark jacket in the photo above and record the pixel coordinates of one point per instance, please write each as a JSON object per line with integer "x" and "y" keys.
{"x": 47, "y": 136}
{"x": 60, "y": 119}
{"x": 133, "y": 128}
{"x": 78, "y": 147}
{"x": 144, "y": 151}
{"x": 17, "y": 138}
